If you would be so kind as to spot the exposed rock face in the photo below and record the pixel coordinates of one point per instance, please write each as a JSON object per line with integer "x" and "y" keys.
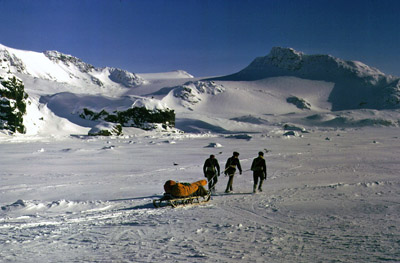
{"x": 106, "y": 129}
{"x": 193, "y": 92}
{"x": 138, "y": 117}
{"x": 125, "y": 78}
{"x": 10, "y": 62}
{"x": 69, "y": 60}
{"x": 299, "y": 103}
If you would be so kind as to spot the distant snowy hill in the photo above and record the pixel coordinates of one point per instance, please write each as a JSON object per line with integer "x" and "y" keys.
{"x": 356, "y": 84}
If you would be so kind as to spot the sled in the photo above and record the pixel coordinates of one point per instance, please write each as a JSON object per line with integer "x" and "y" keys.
{"x": 170, "y": 200}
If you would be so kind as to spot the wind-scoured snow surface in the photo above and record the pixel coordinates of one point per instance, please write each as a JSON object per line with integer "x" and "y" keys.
{"x": 332, "y": 192}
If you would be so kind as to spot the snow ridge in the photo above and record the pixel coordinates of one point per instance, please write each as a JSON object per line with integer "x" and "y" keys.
{"x": 56, "y": 66}
{"x": 68, "y": 60}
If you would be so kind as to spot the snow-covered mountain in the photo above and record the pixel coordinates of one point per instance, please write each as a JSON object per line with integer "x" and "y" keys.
{"x": 63, "y": 90}
{"x": 356, "y": 84}
{"x": 52, "y": 78}
{"x": 59, "y": 67}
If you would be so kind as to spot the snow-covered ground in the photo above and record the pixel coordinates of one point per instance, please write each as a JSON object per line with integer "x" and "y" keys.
{"x": 331, "y": 196}
{"x": 332, "y": 193}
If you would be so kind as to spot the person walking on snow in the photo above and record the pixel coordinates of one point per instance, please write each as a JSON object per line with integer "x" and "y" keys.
{"x": 230, "y": 168}
{"x": 259, "y": 169}
{"x": 211, "y": 170}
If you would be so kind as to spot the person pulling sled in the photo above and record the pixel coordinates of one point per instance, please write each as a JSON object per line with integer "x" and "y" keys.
{"x": 230, "y": 168}
{"x": 259, "y": 169}
{"x": 211, "y": 171}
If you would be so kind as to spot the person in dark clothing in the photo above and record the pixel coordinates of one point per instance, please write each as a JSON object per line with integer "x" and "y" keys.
{"x": 211, "y": 170}
{"x": 259, "y": 169}
{"x": 230, "y": 168}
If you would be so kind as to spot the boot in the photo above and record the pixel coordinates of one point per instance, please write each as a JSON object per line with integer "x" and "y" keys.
{"x": 255, "y": 188}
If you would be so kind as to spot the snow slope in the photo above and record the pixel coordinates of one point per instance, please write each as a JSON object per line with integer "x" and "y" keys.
{"x": 332, "y": 193}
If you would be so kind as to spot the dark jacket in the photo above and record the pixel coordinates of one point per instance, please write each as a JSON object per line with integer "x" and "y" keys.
{"x": 211, "y": 166}
{"x": 259, "y": 167}
{"x": 231, "y": 164}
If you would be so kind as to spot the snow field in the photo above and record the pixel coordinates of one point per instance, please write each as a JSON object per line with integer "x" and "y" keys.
{"x": 89, "y": 199}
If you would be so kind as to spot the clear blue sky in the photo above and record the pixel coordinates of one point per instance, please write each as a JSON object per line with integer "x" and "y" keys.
{"x": 203, "y": 37}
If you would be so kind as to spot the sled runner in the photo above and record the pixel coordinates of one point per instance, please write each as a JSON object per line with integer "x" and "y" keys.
{"x": 170, "y": 200}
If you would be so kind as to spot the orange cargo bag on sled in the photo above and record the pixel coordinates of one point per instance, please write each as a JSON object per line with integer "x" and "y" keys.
{"x": 185, "y": 189}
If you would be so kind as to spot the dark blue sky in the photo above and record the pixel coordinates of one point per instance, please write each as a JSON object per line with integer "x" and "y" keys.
{"x": 205, "y": 38}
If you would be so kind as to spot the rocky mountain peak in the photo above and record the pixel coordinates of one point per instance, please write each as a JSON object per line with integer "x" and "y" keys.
{"x": 68, "y": 60}
{"x": 287, "y": 58}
